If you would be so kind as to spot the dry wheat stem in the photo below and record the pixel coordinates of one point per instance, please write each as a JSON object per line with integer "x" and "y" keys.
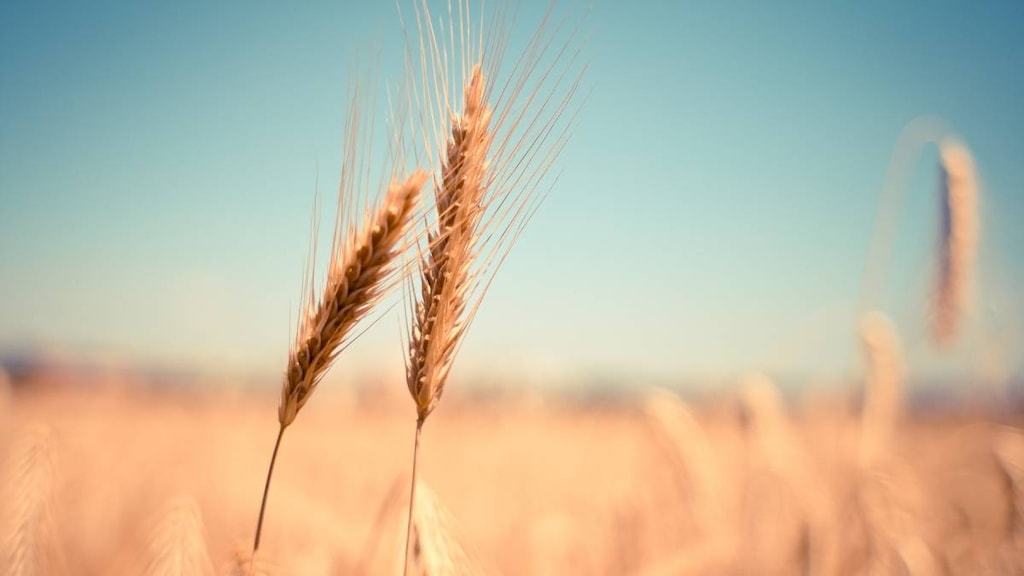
{"x": 356, "y": 280}
{"x": 412, "y": 495}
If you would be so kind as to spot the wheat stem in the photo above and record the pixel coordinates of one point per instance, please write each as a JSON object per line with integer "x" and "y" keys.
{"x": 412, "y": 495}
{"x": 266, "y": 490}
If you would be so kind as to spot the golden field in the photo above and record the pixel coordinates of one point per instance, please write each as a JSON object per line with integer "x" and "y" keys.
{"x": 530, "y": 486}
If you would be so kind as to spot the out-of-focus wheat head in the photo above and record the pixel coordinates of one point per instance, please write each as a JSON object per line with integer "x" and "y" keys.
{"x": 492, "y": 135}
{"x": 958, "y": 240}
{"x": 1008, "y": 448}
{"x": 29, "y": 544}
{"x": 5, "y": 390}
{"x": 782, "y": 457}
{"x": 435, "y": 548}
{"x": 883, "y": 382}
{"x": 692, "y": 454}
{"x": 244, "y": 563}
{"x": 177, "y": 546}
{"x": 891, "y": 503}
{"x": 767, "y": 423}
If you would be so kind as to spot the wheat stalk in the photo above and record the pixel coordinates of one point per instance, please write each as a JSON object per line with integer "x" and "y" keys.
{"x": 492, "y": 153}
{"x": 178, "y": 546}
{"x": 361, "y": 270}
{"x": 958, "y": 239}
{"x": 29, "y": 545}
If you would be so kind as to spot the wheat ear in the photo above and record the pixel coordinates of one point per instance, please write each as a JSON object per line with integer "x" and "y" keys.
{"x": 178, "y": 544}
{"x": 692, "y": 455}
{"x": 29, "y": 546}
{"x": 958, "y": 239}
{"x": 440, "y": 316}
{"x": 359, "y": 275}
{"x": 445, "y": 269}
{"x": 435, "y": 549}
{"x": 492, "y": 152}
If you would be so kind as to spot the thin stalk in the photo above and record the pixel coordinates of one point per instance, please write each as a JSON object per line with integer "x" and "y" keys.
{"x": 412, "y": 494}
{"x": 266, "y": 490}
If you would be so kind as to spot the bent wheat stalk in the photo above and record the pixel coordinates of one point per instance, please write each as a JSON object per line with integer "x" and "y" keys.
{"x": 958, "y": 232}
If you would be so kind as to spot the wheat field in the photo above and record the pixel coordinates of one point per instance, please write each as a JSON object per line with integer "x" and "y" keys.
{"x": 856, "y": 479}
{"x": 526, "y": 487}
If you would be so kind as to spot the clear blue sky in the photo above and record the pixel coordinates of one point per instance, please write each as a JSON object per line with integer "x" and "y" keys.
{"x": 157, "y": 166}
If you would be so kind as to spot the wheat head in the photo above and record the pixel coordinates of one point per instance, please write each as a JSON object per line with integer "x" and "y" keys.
{"x": 958, "y": 239}
{"x": 30, "y": 545}
{"x": 492, "y": 135}
{"x": 435, "y": 547}
{"x": 177, "y": 546}
{"x": 440, "y": 318}
{"x": 357, "y": 278}
{"x": 883, "y": 395}
{"x": 673, "y": 419}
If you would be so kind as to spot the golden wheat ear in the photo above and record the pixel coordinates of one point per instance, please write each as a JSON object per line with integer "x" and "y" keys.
{"x": 492, "y": 146}
{"x": 29, "y": 544}
{"x": 365, "y": 264}
{"x": 690, "y": 452}
{"x": 958, "y": 240}
{"x": 177, "y": 546}
{"x": 492, "y": 129}
{"x": 435, "y": 548}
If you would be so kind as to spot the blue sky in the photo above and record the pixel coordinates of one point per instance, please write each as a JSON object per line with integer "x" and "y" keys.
{"x": 157, "y": 167}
